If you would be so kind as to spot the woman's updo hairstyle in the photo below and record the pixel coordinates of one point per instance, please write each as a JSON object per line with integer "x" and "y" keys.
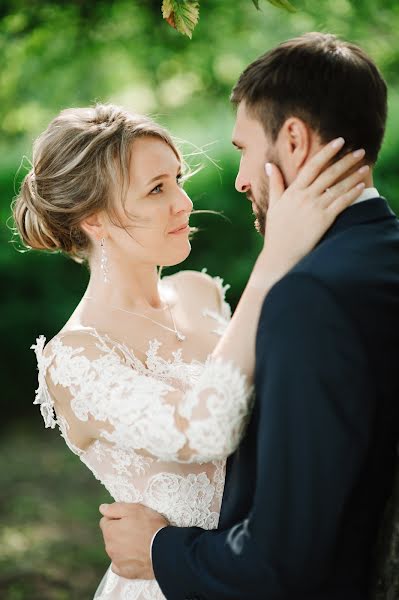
{"x": 79, "y": 162}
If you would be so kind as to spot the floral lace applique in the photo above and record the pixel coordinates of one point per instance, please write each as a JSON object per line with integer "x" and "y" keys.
{"x": 142, "y": 409}
{"x": 222, "y": 317}
{"x": 42, "y": 395}
{"x": 137, "y": 457}
{"x": 174, "y": 370}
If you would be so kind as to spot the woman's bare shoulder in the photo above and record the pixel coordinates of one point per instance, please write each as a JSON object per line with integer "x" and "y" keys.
{"x": 196, "y": 285}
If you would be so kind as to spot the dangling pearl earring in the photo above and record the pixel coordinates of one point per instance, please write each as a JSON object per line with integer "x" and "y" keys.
{"x": 104, "y": 261}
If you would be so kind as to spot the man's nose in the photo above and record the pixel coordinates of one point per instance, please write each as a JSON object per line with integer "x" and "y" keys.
{"x": 242, "y": 184}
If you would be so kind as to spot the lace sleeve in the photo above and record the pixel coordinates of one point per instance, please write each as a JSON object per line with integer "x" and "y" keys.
{"x": 101, "y": 395}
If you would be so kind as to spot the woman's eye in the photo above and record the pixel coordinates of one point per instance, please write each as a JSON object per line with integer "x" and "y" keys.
{"x": 157, "y": 189}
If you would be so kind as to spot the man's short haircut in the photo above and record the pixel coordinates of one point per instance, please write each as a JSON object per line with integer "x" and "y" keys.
{"x": 330, "y": 84}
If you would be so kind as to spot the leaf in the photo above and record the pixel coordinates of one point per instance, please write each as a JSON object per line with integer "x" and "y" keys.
{"x": 283, "y": 4}
{"x": 183, "y": 15}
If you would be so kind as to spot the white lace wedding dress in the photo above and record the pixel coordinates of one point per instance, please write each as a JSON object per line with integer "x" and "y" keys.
{"x": 161, "y": 431}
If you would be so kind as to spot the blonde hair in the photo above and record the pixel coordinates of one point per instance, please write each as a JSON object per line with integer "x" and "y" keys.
{"x": 78, "y": 162}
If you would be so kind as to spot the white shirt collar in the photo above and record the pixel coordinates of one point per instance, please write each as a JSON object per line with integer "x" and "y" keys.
{"x": 367, "y": 194}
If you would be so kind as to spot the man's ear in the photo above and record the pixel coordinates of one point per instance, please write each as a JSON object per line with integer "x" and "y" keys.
{"x": 295, "y": 142}
{"x": 93, "y": 226}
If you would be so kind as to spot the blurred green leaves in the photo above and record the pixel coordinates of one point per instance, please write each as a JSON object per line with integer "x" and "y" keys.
{"x": 285, "y": 4}
{"x": 56, "y": 54}
{"x": 51, "y": 547}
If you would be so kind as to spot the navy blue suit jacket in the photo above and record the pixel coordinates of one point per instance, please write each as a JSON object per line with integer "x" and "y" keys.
{"x": 306, "y": 488}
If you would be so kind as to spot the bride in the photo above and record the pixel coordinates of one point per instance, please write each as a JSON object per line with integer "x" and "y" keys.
{"x": 148, "y": 381}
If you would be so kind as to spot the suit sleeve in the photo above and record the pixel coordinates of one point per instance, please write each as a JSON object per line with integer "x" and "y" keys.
{"x": 314, "y": 421}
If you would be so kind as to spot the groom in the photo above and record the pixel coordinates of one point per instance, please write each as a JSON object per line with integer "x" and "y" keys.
{"x": 306, "y": 489}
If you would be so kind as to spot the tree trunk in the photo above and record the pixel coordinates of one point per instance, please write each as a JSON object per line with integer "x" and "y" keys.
{"x": 386, "y": 577}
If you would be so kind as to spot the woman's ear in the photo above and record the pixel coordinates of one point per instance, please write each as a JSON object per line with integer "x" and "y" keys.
{"x": 93, "y": 226}
{"x": 295, "y": 142}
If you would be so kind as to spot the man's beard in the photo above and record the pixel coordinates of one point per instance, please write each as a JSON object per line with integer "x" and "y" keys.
{"x": 259, "y": 206}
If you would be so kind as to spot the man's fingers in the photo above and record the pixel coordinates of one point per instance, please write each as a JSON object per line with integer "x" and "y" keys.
{"x": 276, "y": 183}
{"x": 117, "y": 510}
{"x": 126, "y": 569}
{"x": 317, "y": 163}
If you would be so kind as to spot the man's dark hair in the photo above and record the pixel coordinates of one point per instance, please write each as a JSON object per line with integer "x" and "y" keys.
{"x": 330, "y": 84}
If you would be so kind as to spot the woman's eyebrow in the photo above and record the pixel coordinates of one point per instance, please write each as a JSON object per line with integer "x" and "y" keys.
{"x": 157, "y": 177}
{"x": 162, "y": 175}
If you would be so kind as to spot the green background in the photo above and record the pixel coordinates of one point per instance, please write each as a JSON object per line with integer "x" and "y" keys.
{"x": 56, "y": 55}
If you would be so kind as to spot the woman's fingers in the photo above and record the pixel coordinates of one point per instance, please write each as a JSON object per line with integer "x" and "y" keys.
{"x": 276, "y": 183}
{"x": 318, "y": 163}
{"x": 345, "y": 200}
{"x": 336, "y": 172}
{"x": 339, "y": 189}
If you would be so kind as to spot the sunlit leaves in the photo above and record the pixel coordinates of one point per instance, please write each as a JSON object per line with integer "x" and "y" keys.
{"x": 183, "y": 15}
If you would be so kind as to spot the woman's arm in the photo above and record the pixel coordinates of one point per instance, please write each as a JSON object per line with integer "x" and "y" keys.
{"x": 297, "y": 218}
{"x": 101, "y": 397}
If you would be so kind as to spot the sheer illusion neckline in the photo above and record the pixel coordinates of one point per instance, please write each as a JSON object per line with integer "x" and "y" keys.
{"x": 151, "y": 353}
{"x": 153, "y": 345}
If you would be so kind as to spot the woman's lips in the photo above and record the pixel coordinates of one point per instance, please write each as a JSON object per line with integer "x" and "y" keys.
{"x": 182, "y": 229}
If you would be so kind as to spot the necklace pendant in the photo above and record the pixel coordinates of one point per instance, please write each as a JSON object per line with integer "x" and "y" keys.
{"x": 180, "y": 336}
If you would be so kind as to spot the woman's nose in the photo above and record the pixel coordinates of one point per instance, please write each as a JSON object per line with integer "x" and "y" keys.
{"x": 183, "y": 202}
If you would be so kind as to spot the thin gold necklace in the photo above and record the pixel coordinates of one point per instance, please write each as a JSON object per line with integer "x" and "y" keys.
{"x": 180, "y": 336}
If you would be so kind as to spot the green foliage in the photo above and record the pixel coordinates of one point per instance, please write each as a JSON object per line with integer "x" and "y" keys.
{"x": 285, "y": 4}
{"x": 60, "y": 54}
{"x": 70, "y": 54}
{"x": 181, "y": 14}
{"x": 51, "y": 544}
